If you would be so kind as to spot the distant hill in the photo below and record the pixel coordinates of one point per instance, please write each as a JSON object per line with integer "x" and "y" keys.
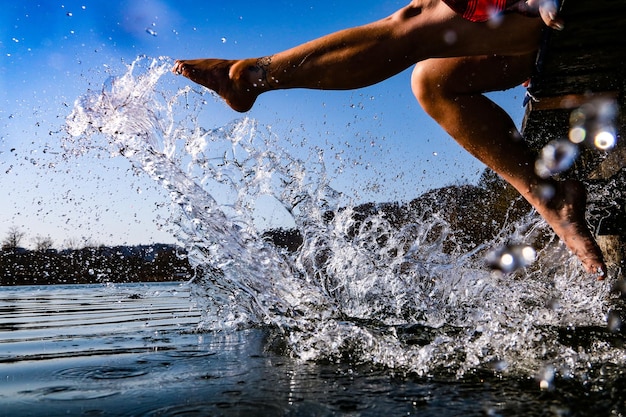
{"x": 474, "y": 213}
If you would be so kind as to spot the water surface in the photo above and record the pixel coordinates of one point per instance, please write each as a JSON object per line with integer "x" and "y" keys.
{"x": 135, "y": 350}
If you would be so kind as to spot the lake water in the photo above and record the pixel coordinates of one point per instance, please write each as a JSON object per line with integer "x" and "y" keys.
{"x": 135, "y": 350}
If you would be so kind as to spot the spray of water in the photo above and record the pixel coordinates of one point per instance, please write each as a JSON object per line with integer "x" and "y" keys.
{"x": 240, "y": 278}
{"x": 367, "y": 288}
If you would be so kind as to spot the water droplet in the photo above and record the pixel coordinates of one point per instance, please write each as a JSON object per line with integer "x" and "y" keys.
{"x": 546, "y": 378}
{"x": 577, "y": 134}
{"x": 554, "y": 304}
{"x": 614, "y": 321}
{"x": 511, "y": 257}
{"x": 594, "y": 122}
{"x": 556, "y": 157}
{"x": 605, "y": 140}
{"x": 223, "y": 39}
{"x": 620, "y": 287}
{"x": 499, "y": 365}
{"x": 450, "y": 37}
{"x": 495, "y": 18}
{"x": 544, "y": 191}
{"x": 69, "y": 14}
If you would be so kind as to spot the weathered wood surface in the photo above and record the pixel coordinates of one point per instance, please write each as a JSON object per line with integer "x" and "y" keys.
{"x": 589, "y": 54}
{"x": 585, "y": 60}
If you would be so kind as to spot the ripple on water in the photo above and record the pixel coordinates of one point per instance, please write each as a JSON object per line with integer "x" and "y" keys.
{"x": 237, "y": 407}
{"x": 174, "y": 355}
{"x": 102, "y": 372}
{"x": 69, "y": 393}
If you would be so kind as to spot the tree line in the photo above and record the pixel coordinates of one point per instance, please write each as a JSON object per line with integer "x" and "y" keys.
{"x": 475, "y": 213}
{"x": 45, "y": 265}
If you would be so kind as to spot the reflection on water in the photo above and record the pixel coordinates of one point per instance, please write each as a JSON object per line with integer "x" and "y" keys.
{"x": 38, "y": 324}
{"x": 144, "y": 357}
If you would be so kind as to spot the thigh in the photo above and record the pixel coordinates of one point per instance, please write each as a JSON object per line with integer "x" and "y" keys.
{"x": 475, "y": 74}
{"x": 451, "y": 35}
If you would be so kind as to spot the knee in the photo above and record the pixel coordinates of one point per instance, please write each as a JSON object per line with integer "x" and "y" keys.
{"x": 413, "y": 9}
{"x": 426, "y": 86}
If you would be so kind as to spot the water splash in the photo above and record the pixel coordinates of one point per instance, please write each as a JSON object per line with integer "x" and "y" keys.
{"x": 244, "y": 279}
{"x": 385, "y": 286}
{"x": 593, "y": 123}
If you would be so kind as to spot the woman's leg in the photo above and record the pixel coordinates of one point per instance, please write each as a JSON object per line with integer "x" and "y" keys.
{"x": 364, "y": 55}
{"x": 450, "y": 90}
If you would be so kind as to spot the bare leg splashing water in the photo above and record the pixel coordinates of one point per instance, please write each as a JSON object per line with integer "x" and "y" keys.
{"x": 446, "y": 88}
{"x": 425, "y": 29}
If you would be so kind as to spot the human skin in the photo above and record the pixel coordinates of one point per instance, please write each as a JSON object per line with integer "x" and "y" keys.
{"x": 447, "y": 87}
{"x": 457, "y": 60}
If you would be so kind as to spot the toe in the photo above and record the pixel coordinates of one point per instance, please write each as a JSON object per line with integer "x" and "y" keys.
{"x": 596, "y": 267}
{"x": 178, "y": 67}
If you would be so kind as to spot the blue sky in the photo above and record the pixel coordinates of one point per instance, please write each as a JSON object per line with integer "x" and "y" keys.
{"x": 52, "y": 52}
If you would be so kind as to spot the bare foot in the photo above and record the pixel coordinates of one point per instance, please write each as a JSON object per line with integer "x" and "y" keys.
{"x": 231, "y": 79}
{"x": 565, "y": 213}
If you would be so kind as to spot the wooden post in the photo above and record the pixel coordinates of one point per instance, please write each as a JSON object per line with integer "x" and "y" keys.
{"x": 612, "y": 237}
{"x": 583, "y": 63}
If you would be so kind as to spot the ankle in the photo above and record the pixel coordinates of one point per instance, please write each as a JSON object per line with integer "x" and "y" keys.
{"x": 253, "y": 73}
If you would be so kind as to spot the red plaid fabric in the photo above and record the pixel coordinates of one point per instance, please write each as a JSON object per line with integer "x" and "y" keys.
{"x": 479, "y": 10}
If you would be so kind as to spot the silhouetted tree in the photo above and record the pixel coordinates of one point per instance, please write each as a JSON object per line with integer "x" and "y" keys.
{"x": 13, "y": 239}
{"x": 43, "y": 243}
{"x": 72, "y": 243}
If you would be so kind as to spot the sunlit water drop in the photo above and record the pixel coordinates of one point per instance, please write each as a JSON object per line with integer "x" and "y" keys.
{"x": 510, "y": 258}
{"x": 546, "y": 378}
{"x": 594, "y": 123}
{"x": 614, "y": 321}
{"x": 362, "y": 287}
{"x": 556, "y": 157}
